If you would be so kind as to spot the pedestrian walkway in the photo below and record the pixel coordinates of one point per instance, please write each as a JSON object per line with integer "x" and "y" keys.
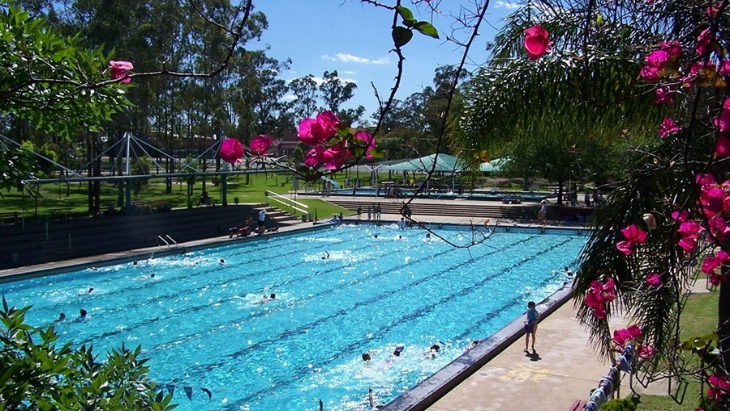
{"x": 564, "y": 369}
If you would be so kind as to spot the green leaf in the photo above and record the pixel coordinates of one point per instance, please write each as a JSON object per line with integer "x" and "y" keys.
{"x": 427, "y": 29}
{"x": 405, "y": 13}
{"x": 401, "y": 36}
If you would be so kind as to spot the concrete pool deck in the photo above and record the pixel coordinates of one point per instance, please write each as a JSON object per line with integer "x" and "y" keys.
{"x": 565, "y": 367}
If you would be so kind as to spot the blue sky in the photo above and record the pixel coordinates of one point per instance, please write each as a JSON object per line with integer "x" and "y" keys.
{"x": 354, "y": 39}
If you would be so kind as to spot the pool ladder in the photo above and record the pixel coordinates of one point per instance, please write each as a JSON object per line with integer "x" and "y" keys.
{"x": 166, "y": 240}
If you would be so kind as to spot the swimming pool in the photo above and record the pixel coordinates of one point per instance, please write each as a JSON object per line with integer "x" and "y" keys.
{"x": 339, "y": 293}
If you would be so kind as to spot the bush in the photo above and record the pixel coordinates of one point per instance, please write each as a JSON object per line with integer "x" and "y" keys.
{"x": 38, "y": 374}
{"x": 619, "y": 404}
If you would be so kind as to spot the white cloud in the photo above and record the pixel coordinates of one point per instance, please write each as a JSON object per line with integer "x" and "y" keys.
{"x": 507, "y": 5}
{"x": 349, "y": 58}
{"x": 349, "y": 72}
{"x": 320, "y": 80}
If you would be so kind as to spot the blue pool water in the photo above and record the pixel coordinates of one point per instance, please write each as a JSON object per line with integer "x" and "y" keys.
{"x": 340, "y": 292}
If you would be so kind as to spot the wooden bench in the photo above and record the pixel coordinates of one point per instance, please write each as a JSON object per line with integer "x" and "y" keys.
{"x": 578, "y": 405}
{"x": 160, "y": 205}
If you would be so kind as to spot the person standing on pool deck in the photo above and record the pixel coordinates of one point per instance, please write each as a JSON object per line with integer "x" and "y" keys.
{"x": 378, "y": 212}
{"x": 262, "y": 220}
{"x": 531, "y": 325}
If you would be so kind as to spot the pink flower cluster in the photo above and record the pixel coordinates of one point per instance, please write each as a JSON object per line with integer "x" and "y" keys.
{"x": 722, "y": 122}
{"x": 332, "y": 144}
{"x": 715, "y": 204}
{"x": 599, "y": 295}
{"x": 660, "y": 63}
{"x": 633, "y": 235}
{"x": 632, "y": 333}
{"x": 711, "y": 265}
{"x": 719, "y": 387}
{"x": 120, "y": 70}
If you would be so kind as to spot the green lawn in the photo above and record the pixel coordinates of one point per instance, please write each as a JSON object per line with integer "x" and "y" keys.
{"x": 699, "y": 318}
{"x": 74, "y": 195}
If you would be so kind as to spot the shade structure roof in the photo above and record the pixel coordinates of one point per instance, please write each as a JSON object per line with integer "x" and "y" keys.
{"x": 443, "y": 163}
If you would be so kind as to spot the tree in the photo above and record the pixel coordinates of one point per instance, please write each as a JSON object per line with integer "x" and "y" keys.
{"x": 649, "y": 77}
{"x": 39, "y": 374}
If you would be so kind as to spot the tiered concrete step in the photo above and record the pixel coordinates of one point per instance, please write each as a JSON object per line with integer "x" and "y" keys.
{"x": 445, "y": 208}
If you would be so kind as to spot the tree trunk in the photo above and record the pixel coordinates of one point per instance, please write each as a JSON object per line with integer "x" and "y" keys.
{"x": 723, "y": 318}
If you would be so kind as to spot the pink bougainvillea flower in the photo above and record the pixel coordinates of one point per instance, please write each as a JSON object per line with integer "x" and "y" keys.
{"x": 335, "y": 156}
{"x": 724, "y": 67}
{"x": 680, "y": 216}
{"x": 260, "y": 144}
{"x": 663, "y": 96}
{"x": 537, "y": 42}
{"x": 689, "y": 230}
{"x": 620, "y": 337}
{"x": 653, "y": 280}
{"x": 368, "y": 141}
{"x": 633, "y": 235}
{"x": 712, "y": 201}
{"x": 645, "y": 351}
{"x": 713, "y": 10}
{"x": 718, "y": 227}
{"x": 313, "y": 131}
{"x": 657, "y": 58}
{"x": 722, "y": 146}
{"x": 600, "y": 312}
{"x": 704, "y": 41}
{"x": 120, "y": 70}
{"x": 626, "y": 247}
{"x": 650, "y": 74}
{"x": 673, "y": 49}
{"x": 712, "y": 263}
{"x": 668, "y": 127}
{"x": 315, "y": 156}
{"x": 598, "y": 295}
{"x": 634, "y": 331}
{"x": 329, "y": 122}
{"x": 722, "y": 122}
{"x": 231, "y": 150}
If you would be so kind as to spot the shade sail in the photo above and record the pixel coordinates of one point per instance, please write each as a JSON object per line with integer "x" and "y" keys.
{"x": 443, "y": 163}
{"x": 495, "y": 165}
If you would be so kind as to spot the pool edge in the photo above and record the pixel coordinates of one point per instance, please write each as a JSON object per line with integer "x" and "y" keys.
{"x": 430, "y": 390}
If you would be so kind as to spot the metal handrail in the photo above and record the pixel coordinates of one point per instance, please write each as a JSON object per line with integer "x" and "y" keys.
{"x": 287, "y": 201}
{"x": 159, "y": 237}
{"x": 169, "y": 242}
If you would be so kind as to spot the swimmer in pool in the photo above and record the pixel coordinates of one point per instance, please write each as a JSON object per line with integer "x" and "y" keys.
{"x": 266, "y": 298}
{"x": 82, "y": 316}
{"x": 432, "y": 351}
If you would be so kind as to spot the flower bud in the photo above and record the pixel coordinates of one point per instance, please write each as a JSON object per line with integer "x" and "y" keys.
{"x": 650, "y": 221}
